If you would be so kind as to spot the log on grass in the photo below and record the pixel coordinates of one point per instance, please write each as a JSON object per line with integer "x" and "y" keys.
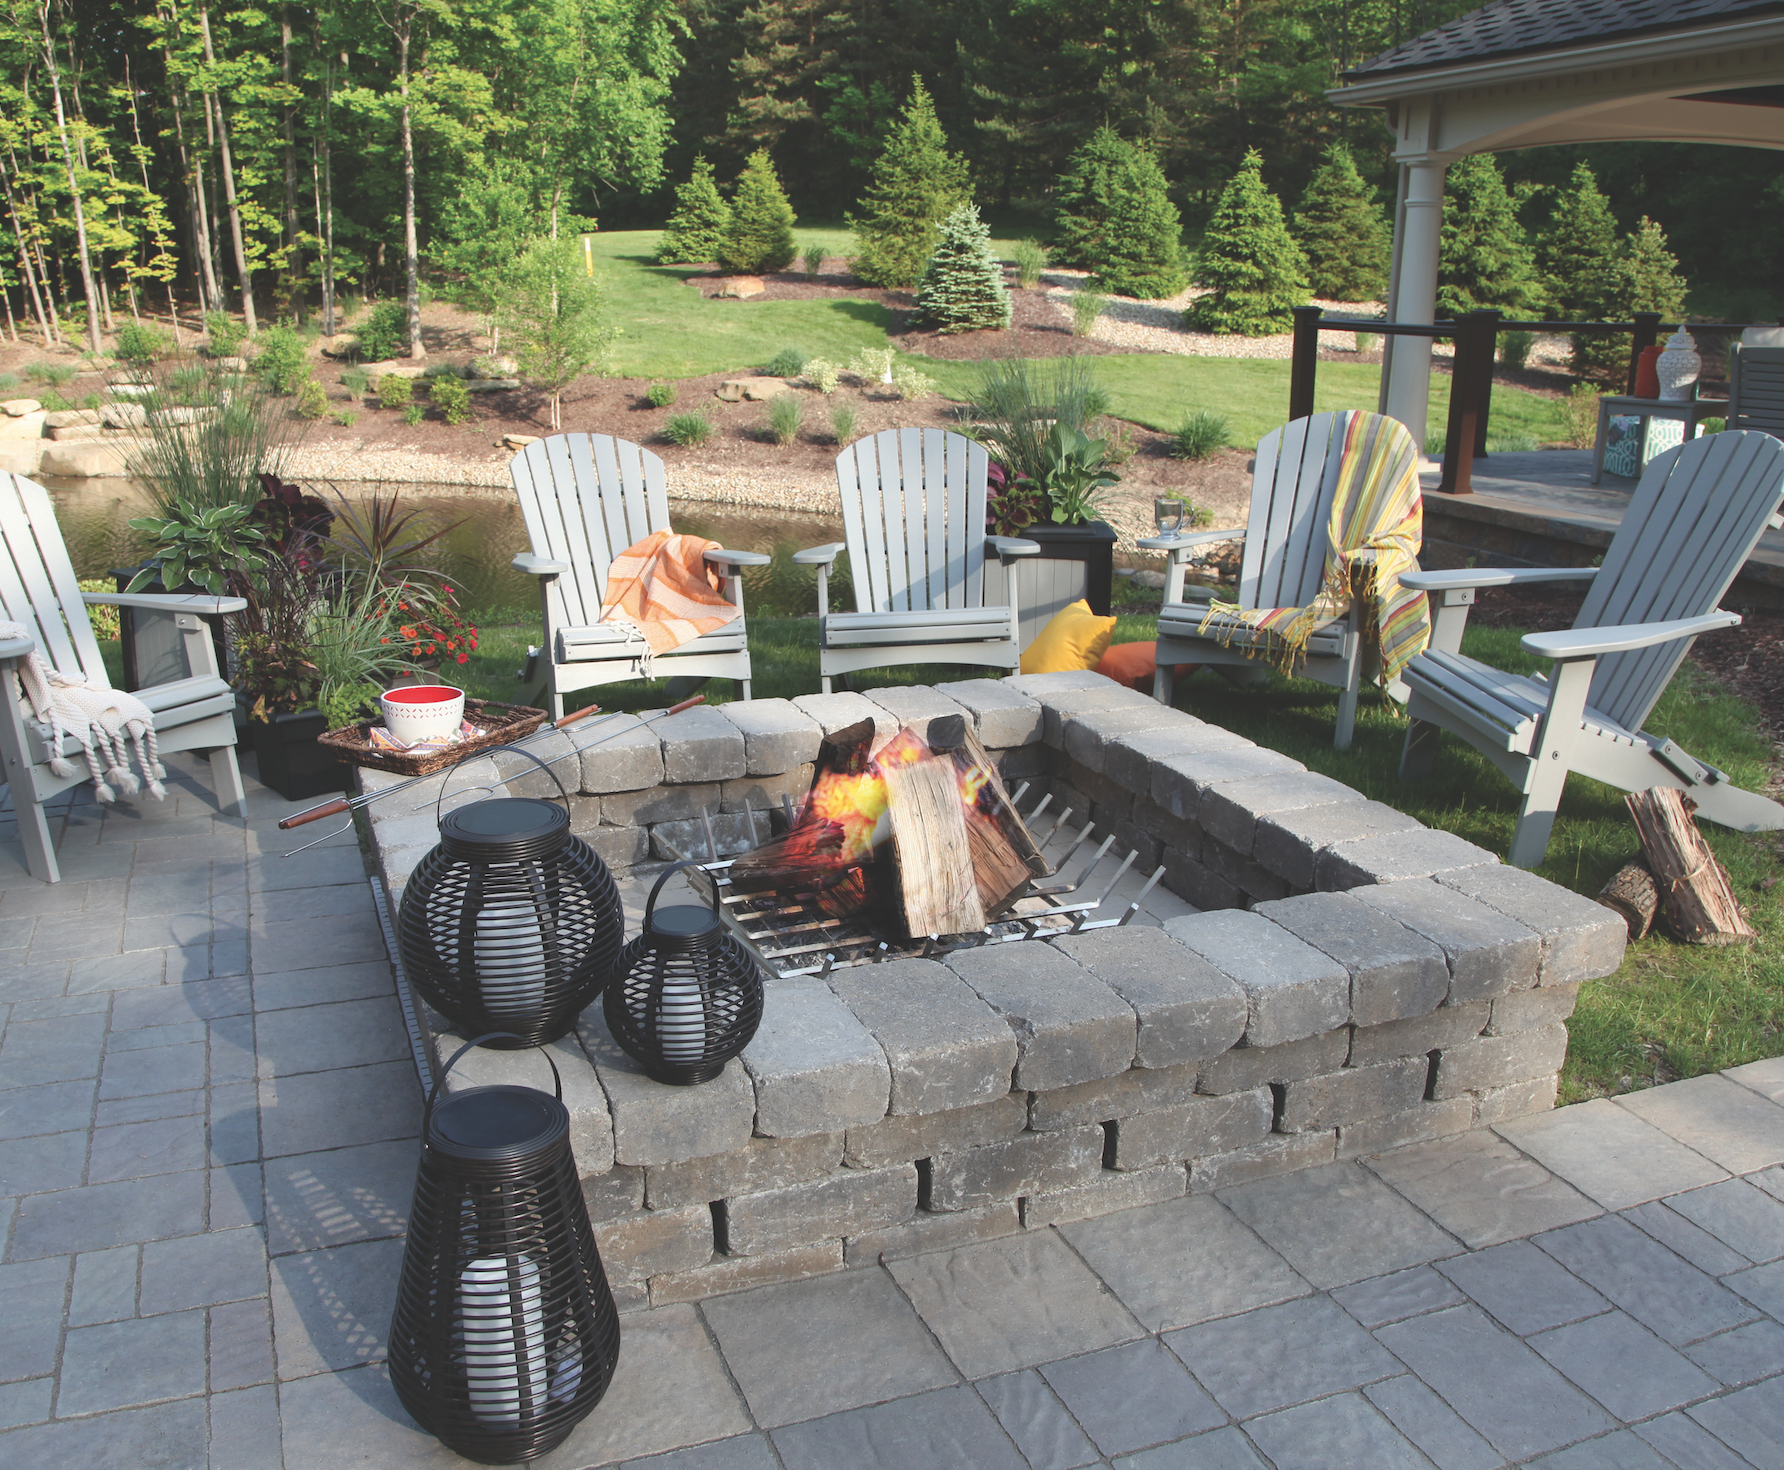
{"x": 1633, "y": 894}
{"x": 1695, "y": 895}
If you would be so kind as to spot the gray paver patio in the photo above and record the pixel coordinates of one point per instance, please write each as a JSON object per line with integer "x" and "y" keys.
{"x": 207, "y": 1146}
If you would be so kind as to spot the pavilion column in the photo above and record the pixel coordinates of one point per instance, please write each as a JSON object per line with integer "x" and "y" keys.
{"x": 1416, "y": 246}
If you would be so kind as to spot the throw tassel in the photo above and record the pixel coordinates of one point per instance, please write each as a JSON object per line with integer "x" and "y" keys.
{"x": 148, "y": 757}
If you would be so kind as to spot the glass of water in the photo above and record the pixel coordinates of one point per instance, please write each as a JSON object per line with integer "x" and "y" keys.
{"x": 1169, "y": 515}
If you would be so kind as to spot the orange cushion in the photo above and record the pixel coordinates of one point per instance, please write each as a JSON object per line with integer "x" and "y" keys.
{"x": 1135, "y": 664}
{"x": 1074, "y": 639}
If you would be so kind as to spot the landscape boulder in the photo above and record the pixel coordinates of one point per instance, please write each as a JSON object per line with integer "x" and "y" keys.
{"x": 740, "y": 287}
{"x": 24, "y": 425}
{"x": 17, "y": 408}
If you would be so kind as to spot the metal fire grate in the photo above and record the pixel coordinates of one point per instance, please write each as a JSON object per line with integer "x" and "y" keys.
{"x": 791, "y": 937}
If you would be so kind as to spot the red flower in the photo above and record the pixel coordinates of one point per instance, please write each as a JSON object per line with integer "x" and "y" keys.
{"x": 464, "y": 658}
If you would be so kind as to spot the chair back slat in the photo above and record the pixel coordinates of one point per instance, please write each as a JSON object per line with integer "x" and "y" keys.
{"x": 586, "y": 498}
{"x": 37, "y": 581}
{"x": 1291, "y": 501}
{"x": 913, "y": 504}
{"x": 1756, "y": 389}
{"x": 1693, "y": 521}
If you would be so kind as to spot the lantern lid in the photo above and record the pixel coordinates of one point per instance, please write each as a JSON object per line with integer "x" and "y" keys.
{"x": 505, "y": 829}
{"x": 683, "y": 922}
{"x": 496, "y": 1123}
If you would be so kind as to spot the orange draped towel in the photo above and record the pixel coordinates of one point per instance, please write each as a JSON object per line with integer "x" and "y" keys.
{"x": 664, "y": 587}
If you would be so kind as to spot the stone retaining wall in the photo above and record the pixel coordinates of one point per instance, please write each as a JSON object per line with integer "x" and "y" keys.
{"x": 1355, "y": 981}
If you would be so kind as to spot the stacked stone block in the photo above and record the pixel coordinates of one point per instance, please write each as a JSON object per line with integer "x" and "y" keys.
{"x": 1354, "y": 982}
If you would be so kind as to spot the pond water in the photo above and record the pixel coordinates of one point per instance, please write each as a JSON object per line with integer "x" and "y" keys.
{"x": 486, "y": 532}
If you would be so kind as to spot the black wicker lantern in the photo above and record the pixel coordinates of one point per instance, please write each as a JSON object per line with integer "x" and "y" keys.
{"x": 685, "y": 996}
{"x": 512, "y": 923}
{"x": 505, "y": 1333}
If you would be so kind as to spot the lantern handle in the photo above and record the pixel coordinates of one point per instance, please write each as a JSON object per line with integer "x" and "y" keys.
{"x": 440, "y": 800}
{"x": 433, "y": 1095}
{"x": 668, "y": 873}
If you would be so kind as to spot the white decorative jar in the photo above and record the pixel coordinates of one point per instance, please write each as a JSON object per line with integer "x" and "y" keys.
{"x": 1678, "y": 367}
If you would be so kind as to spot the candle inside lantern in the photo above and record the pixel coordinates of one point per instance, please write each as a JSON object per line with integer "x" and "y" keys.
{"x": 681, "y": 1020}
{"x": 504, "y": 1334}
{"x": 508, "y": 956}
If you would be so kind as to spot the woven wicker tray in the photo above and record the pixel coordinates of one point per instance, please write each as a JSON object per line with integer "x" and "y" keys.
{"x": 500, "y": 723}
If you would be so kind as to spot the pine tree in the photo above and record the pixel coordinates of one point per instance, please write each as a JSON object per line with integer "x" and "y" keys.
{"x": 916, "y": 185}
{"x": 1256, "y": 271}
{"x": 760, "y": 237}
{"x": 1648, "y": 276}
{"x": 696, "y": 231}
{"x": 1086, "y": 194}
{"x": 1485, "y": 259}
{"x": 963, "y": 285}
{"x": 1348, "y": 242}
{"x": 1143, "y": 248}
{"x": 1578, "y": 257}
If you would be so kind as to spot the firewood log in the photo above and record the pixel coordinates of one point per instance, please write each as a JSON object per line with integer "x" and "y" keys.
{"x": 1695, "y": 895}
{"x": 1633, "y": 893}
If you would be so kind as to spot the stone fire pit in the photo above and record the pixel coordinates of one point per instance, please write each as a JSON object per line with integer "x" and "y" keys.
{"x": 1354, "y": 981}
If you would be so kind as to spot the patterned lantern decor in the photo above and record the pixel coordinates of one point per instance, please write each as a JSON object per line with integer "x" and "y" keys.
{"x": 512, "y": 923}
{"x": 685, "y": 996}
{"x": 505, "y": 1333}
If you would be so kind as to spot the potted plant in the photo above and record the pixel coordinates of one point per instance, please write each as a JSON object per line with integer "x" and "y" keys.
{"x": 1047, "y": 475}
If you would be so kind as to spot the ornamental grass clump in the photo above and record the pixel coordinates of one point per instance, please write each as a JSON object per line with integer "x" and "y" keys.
{"x": 1030, "y": 259}
{"x": 1088, "y": 304}
{"x": 786, "y": 413}
{"x": 963, "y": 286}
{"x": 1200, "y": 435}
{"x": 688, "y": 429}
{"x": 789, "y": 362}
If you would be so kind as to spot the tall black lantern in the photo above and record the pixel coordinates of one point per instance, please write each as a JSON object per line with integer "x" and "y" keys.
{"x": 505, "y": 1334}
{"x": 685, "y": 996}
{"x": 512, "y": 923}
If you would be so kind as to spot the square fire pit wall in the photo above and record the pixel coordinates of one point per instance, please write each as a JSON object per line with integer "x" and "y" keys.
{"x": 1336, "y": 980}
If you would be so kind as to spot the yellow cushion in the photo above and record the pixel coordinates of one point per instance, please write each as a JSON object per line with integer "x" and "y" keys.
{"x": 1076, "y": 639}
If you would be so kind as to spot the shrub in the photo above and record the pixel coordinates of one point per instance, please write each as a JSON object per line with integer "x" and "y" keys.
{"x": 1256, "y": 272}
{"x": 356, "y": 380}
{"x": 312, "y": 402}
{"x": 786, "y": 412}
{"x": 282, "y": 364}
{"x": 812, "y": 258}
{"x": 50, "y": 401}
{"x": 760, "y": 236}
{"x": 395, "y": 391}
{"x": 822, "y": 374}
{"x": 1087, "y": 304}
{"x": 1342, "y": 231}
{"x": 1515, "y": 347}
{"x": 93, "y": 400}
{"x": 223, "y": 334}
{"x": 688, "y": 429}
{"x": 912, "y": 383}
{"x": 1201, "y": 434}
{"x": 873, "y": 363}
{"x": 50, "y": 374}
{"x": 103, "y": 618}
{"x": 385, "y": 333}
{"x": 8, "y": 380}
{"x": 842, "y": 422}
{"x": 414, "y": 414}
{"x": 1365, "y": 342}
{"x": 696, "y": 231}
{"x": 789, "y": 362}
{"x": 1116, "y": 218}
{"x": 1579, "y": 415}
{"x": 1030, "y": 260}
{"x": 140, "y": 343}
{"x": 963, "y": 285}
{"x": 345, "y": 417}
{"x": 452, "y": 398}
{"x": 660, "y": 395}
{"x": 1707, "y": 426}
{"x": 916, "y": 185}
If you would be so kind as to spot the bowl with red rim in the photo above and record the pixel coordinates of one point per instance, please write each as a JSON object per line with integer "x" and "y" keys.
{"x": 417, "y": 712}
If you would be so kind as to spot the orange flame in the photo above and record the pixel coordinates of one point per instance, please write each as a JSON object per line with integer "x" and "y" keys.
{"x": 857, "y": 803}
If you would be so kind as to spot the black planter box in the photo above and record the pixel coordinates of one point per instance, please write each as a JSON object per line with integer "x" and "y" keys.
{"x": 291, "y": 762}
{"x": 1075, "y": 561}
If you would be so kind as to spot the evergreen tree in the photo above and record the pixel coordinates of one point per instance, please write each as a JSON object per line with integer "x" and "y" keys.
{"x": 696, "y": 231}
{"x": 1648, "y": 276}
{"x": 916, "y": 185}
{"x": 1340, "y": 226}
{"x": 963, "y": 285}
{"x": 1485, "y": 259}
{"x": 1578, "y": 257}
{"x": 1256, "y": 271}
{"x": 1086, "y": 194}
{"x": 760, "y": 237}
{"x": 1142, "y": 252}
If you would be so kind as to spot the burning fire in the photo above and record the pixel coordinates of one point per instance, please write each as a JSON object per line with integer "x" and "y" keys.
{"x": 858, "y": 803}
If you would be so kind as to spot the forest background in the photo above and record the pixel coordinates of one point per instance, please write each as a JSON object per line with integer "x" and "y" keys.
{"x": 366, "y": 133}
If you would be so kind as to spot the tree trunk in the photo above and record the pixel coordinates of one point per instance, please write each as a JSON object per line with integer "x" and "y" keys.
{"x": 27, "y": 274}
{"x": 195, "y": 214}
{"x": 411, "y": 250}
{"x": 294, "y": 261}
{"x": 1694, "y": 890}
{"x": 12, "y": 327}
{"x": 235, "y": 213}
{"x": 1632, "y": 893}
{"x": 322, "y": 175}
{"x": 74, "y": 188}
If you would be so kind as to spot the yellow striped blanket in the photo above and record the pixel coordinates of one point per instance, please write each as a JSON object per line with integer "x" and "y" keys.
{"x": 664, "y": 587}
{"x": 1377, "y": 509}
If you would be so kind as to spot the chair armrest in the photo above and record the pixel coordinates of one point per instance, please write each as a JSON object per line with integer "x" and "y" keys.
{"x": 16, "y": 647}
{"x": 1173, "y": 545}
{"x": 1007, "y": 547}
{"x": 738, "y": 558}
{"x": 173, "y": 602}
{"x": 539, "y": 566}
{"x": 817, "y": 556}
{"x": 1592, "y": 642}
{"x": 1465, "y": 577}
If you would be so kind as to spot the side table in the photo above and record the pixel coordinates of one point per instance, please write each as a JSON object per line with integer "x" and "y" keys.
{"x": 1689, "y": 411}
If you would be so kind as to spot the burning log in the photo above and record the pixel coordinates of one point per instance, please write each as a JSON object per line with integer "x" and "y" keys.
{"x": 936, "y": 879}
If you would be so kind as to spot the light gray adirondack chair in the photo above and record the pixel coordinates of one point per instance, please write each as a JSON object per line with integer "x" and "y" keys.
{"x": 913, "y": 513}
{"x": 1282, "y": 564}
{"x": 38, "y": 589}
{"x": 1691, "y": 524}
{"x": 1756, "y": 389}
{"x": 585, "y": 499}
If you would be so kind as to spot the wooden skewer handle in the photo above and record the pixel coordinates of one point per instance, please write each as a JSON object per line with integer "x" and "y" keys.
{"x": 575, "y": 715}
{"x": 316, "y": 813}
{"x": 676, "y": 709}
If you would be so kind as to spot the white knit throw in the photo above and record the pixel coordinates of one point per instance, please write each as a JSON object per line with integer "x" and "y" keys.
{"x": 95, "y": 716}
